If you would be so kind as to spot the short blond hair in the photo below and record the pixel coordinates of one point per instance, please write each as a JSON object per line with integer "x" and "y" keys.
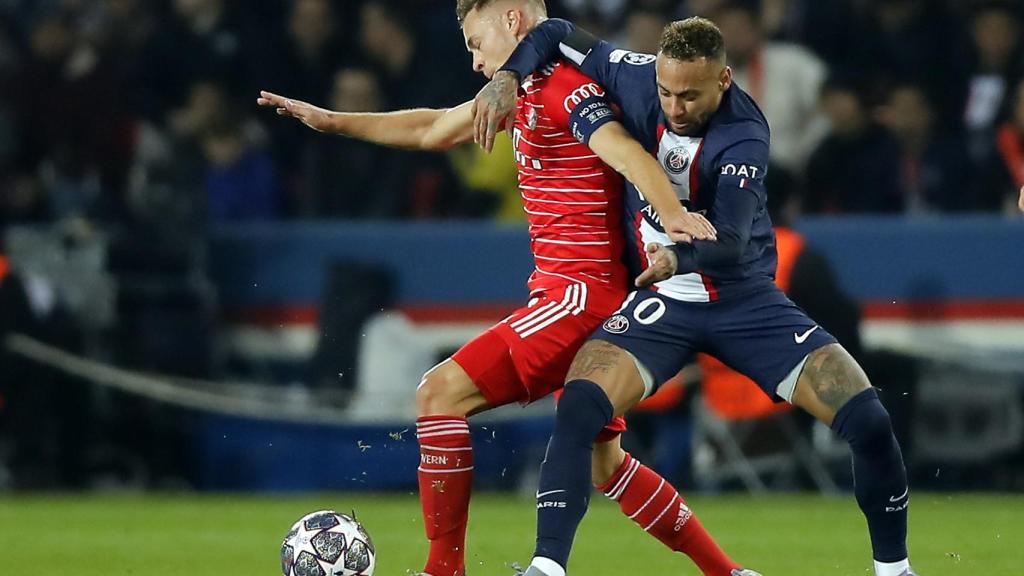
{"x": 464, "y": 7}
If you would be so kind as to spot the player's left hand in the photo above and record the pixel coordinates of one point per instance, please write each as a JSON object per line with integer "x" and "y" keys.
{"x": 494, "y": 107}
{"x": 1020, "y": 201}
{"x": 661, "y": 265}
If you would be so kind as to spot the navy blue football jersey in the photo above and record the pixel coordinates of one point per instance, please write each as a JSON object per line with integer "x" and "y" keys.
{"x": 719, "y": 172}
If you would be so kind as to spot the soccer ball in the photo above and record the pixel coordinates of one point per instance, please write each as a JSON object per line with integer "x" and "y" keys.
{"x": 326, "y": 543}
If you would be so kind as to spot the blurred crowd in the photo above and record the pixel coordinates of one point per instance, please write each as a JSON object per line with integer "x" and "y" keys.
{"x": 141, "y": 113}
{"x": 132, "y": 126}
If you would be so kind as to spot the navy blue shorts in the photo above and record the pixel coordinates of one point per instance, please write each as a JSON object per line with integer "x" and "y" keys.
{"x": 762, "y": 335}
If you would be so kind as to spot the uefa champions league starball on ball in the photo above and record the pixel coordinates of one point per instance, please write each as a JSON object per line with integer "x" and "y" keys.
{"x": 326, "y": 543}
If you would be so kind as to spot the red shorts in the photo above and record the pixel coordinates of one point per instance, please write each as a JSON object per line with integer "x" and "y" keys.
{"x": 527, "y": 355}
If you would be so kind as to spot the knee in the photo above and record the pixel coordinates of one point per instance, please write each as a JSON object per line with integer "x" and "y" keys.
{"x": 865, "y": 424}
{"x": 583, "y": 404}
{"x": 436, "y": 394}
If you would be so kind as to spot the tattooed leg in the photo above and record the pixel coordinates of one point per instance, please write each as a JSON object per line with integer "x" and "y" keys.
{"x": 831, "y": 377}
{"x": 833, "y": 388}
{"x": 612, "y": 369}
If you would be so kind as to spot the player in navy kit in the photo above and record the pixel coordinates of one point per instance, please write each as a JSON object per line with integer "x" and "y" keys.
{"x": 573, "y": 200}
{"x": 712, "y": 140}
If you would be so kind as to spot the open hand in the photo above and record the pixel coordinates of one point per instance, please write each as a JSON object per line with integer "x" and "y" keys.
{"x": 316, "y": 118}
{"x": 494, "y": 107}
{"x": 661, "y": 265}
{"x": 689, "y": 226}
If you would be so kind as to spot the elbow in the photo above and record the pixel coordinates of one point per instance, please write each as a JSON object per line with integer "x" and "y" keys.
{"x": 436, "y": 143}
{"x": 440, "y": 141}
{"x": 733, "y": 248}
{"x": 622, "y": 166}
{"x": 734, "y": 253}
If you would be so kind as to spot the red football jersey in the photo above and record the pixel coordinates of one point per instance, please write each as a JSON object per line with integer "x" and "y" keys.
{"x": 573, "y": 200}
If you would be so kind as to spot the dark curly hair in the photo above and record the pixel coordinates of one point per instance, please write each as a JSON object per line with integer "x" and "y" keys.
{"x": 692, "y": 39}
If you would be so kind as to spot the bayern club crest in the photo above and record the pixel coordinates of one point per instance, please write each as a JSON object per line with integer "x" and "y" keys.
{"x": 616, "y": 324}
{"x": 677, "y": 160}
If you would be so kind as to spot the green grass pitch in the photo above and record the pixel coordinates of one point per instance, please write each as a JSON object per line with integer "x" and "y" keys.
{"x": 950, "y": 534}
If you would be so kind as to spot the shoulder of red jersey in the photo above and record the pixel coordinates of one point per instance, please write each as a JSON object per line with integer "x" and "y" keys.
{"x": 565, "y": 87}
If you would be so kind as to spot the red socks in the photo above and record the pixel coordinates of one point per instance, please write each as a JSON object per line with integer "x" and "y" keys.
{"x": 654, "y": 505}
{"x": 446, "y": 481}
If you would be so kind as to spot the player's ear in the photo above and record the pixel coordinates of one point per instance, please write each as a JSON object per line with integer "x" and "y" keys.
{"x": 514, "y": 21}
{"x": 725, "y": 78}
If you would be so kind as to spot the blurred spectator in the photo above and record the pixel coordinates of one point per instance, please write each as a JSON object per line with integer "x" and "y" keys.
{"x": 203, "y": 39}
{"x": 387, "y": 39}
{"x": 492, "y": 178}
{"x": 993, "y": 73}
{"x": 412, "y": 68}
{"x": 76, "y": 78}
{"x": 856, "y": 168}
{"x": 897, "y": 39}
{"x": 73, "y": 129}
{"x": 784, "y": 79}
{"x": 22, "y": 201}
{"x": 703, "y": 8}
{"x": 643, "y": 30}
{"x": 165, "y": 192}
{"x": 240, "y": 180}
{"x": 829, "y": 29}
{"x": 313, "y": 49}
{"x": 348, "y": 178}
{"x": 1007, "y": 174}
{"x": 302, "y": 65}
{"x": 601, "y": 17}
{"x": 122, "y": 28}
{"x": 933, "y": 173}
{"x": 8, "y": 73}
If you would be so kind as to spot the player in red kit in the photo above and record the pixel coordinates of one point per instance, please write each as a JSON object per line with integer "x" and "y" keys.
{"x": 572, "y": 195}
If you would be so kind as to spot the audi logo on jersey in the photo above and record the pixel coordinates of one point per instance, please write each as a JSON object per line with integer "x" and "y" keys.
{"x": 580, "y": 94}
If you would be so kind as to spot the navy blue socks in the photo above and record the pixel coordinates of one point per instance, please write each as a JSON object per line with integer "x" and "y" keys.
{"x": 880, "y": 480}
{"x": 564, "y": 489}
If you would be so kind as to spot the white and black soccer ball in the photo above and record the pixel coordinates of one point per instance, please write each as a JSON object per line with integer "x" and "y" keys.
{"x": 326, "y": 543}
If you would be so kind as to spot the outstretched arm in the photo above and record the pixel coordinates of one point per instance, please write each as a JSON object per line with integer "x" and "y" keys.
{"x": 1020, "y": 201}
{"x": 421, "y": 129}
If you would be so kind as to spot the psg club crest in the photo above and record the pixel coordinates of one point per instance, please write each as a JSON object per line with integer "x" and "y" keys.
{"x": 531, "y": 118}
{"x": 677, "y": 160}
{"x": 616, "y": 324}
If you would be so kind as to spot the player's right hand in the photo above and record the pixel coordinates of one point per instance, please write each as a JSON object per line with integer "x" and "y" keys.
{"x": 662, "y": 264}
{"x": 689, "y": 226}
{"x": 494, "y": 107}
{"x": 316, "y": 118}
{"x": 1020, "y": 201}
